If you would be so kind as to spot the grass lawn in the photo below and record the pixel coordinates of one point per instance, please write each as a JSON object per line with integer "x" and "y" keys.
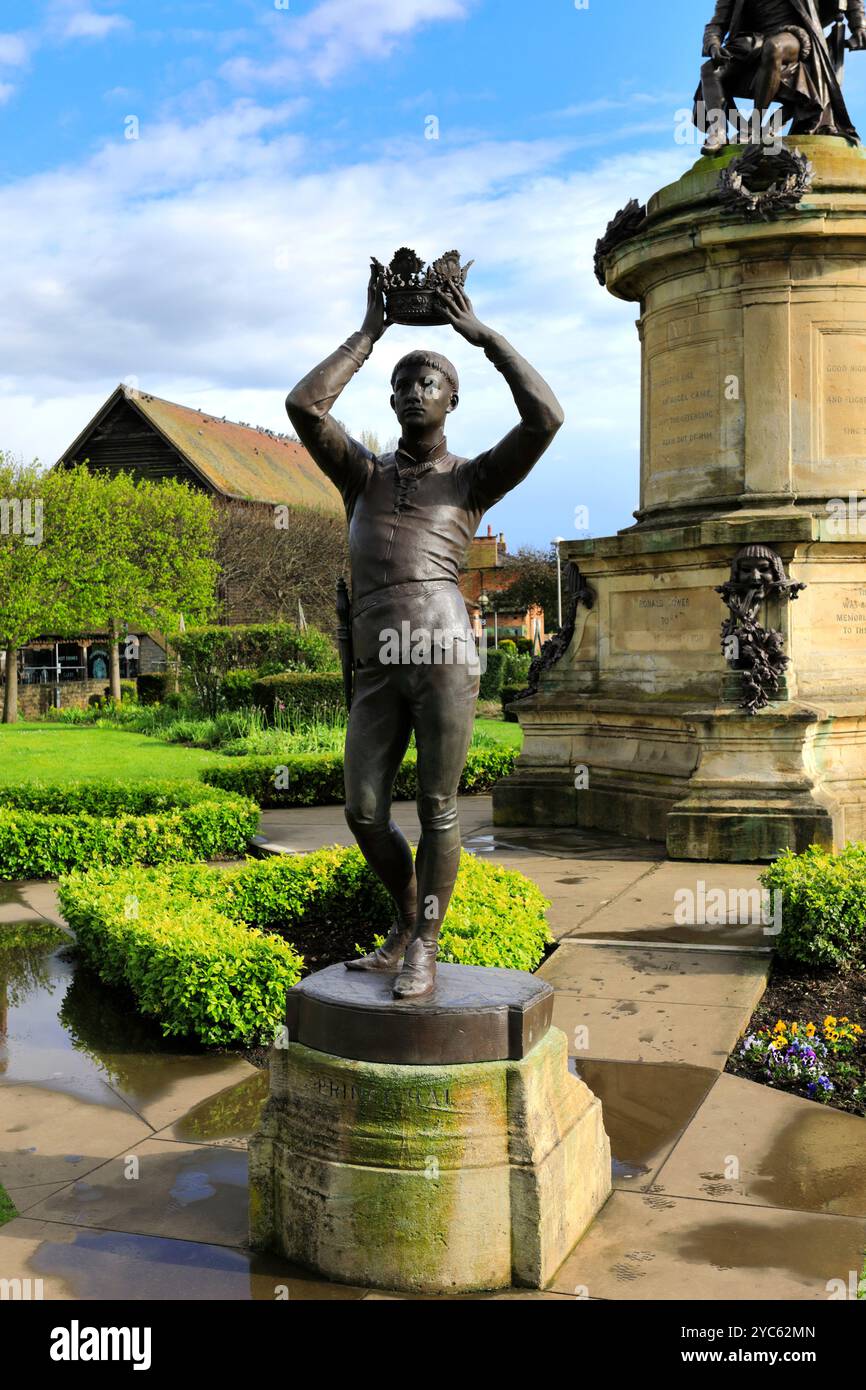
{"x": 509, "y": 734}
{"x": 7, "y": 1211}
{"x": 37, "y": 752}
{"x": 51, "y": 753}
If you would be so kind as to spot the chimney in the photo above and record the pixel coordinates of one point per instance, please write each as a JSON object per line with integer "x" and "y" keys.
{"x": 489, "y": 529}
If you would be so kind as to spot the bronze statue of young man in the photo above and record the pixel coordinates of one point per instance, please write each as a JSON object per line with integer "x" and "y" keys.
{"x": 411, "y": 516}
{"x": 776, "y": 50}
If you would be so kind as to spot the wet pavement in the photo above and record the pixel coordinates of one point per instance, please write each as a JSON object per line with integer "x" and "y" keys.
{"x": 126, "y": 1157}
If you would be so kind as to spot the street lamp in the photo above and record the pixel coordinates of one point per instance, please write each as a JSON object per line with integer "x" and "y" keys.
{"x": 557, "y": 541}
{"x": 483, "y": 604}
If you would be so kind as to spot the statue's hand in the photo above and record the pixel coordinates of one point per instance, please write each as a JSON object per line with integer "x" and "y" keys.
{"x": 857, "y": 39}
{"x": 460, "y": 314}
{"x": 375, "y": 320}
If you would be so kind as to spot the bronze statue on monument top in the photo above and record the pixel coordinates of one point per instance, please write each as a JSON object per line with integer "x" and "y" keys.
{"x": 777, "y": 50}
{"x": 411, "y": 515}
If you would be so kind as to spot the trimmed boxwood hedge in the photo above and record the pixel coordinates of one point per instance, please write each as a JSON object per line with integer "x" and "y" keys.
{"x": 48, "y": 830}
{"x": 302, "y": 694}
{"x": 316, "y": 779}
{"x": 204, "y": 950}
{"x": 823, "y": 898}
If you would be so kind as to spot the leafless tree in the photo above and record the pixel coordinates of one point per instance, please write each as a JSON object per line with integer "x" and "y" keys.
{"x": 272, "y": 557}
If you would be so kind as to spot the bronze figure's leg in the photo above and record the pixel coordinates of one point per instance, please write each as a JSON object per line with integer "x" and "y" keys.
{"x": 777, "y": 51}
{"x": 715, "y": 102}
{"x": 443, "y": 710}
{"x": 376, "y": 741}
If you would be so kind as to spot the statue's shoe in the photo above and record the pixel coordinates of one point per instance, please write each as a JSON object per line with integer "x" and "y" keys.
{"x": 714, "y": 144}
{"x": 387, "y": 957}
{"x": 418, "y": 975}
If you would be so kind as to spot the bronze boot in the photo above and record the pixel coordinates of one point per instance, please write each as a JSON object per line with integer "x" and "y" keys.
{"x": 418, "y": 975}
{"x": 388, "y": 956}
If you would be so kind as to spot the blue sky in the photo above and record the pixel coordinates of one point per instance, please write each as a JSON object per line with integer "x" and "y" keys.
{"x": 218, "y": 256}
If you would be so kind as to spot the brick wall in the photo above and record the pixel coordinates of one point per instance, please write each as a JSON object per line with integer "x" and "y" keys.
{"x": 34, "y": 700}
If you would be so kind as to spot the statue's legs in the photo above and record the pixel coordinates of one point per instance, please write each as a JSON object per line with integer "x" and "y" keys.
{"x": 376, "y": 741}
{"x": 443, "y": 702}
{"x": 715, "y": 100}
{"x": 777, "y": 52}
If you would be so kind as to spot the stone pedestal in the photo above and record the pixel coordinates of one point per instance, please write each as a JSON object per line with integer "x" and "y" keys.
{"x": 753, "y": 340}
{"x": 464, "y": 1175}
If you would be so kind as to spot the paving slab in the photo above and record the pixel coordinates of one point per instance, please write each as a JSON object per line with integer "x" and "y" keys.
{"x": 749, "y": 1143}
{"x": 42, "y": 898}
{"x": 227, "y": 1118}
{"x": 23, "y": 1198}
{"x": 576, "y": 888}
{"x": 637, "y": 1030}
{"x": 648, "y": 910}
{"x": 704, "y": 978}
{"x": 646, "y": 1107}
{"x": 132, "y": 1070}
{"x": 182, "y": 1191}
{"x": 49, "y": 1137}
{"x": 75, "y": 1262}
{"x": 165, "y": 1089}
{"x": 655, "y": 1247}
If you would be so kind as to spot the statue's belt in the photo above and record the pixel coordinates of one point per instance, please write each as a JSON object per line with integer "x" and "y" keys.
{"x": 414, "y": 588}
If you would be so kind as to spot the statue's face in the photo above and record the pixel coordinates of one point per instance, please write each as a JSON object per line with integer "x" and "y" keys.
{"x": 755, "y": 573}
{"x": 422, "y": 398}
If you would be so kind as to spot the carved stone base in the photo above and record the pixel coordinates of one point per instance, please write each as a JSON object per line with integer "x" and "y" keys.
{"x": 428, "y": 1179}
{"x": 639, "y": 729}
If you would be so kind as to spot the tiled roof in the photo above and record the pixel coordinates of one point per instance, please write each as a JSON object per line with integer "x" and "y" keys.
{"x": 240, "y": 460}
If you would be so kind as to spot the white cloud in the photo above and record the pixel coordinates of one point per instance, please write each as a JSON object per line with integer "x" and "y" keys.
{"x": 14, "y": 50}
{"x": 337, "y": 34}
{"x": 86, "y": 24}
{"x": 216, "y": 263}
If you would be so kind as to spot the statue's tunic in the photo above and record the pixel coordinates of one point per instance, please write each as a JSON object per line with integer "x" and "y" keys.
{"x": 411, "y": 521}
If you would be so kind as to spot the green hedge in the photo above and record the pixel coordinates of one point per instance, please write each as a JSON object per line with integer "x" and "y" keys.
{"x": 491, "y": 679}
{"x": 198, "y": 949}
{"x": 299, "y": 694}
{"x": 46, "y": 831}
{"x": 823, "y": 899}
{"x": 237, "y": 689}
{"x": 316, "y": 779}
{"x": 209, "y": 654}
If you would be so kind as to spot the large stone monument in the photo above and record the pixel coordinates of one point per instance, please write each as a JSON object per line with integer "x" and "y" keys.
{"x": 423, "y": 1131}
{"x": 691, "y": 700}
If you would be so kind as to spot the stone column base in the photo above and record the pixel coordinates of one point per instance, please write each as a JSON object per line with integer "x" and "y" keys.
{"x": 428, "y": 1179}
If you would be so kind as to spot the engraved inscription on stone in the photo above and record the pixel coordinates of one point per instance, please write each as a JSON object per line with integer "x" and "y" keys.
{"x": 685, "y": 411}
{"x": 844, "y": 395}
{"x": 837, "y": 619}
{"x": 676, "y": 620}
{"x": 436, "y": 1097}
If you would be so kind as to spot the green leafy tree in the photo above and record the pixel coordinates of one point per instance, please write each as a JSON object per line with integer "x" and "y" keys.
{"x": 533, "y": 582}
{"x": 79, "y": 550}
{"x": 153, "y": 561}
{"x": 45, "y": 535}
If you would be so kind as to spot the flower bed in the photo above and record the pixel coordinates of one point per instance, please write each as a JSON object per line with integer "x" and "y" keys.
{"x": 815, "y": 1060}
{"x": 46, "y": 831}
{"x": 211, "y": 952}
{"x": 316, "y": 779}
